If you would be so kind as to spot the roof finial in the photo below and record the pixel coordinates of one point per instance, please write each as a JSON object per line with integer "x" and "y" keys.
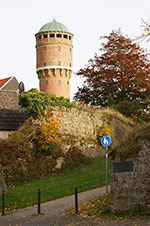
{"x": 54, "y": 18}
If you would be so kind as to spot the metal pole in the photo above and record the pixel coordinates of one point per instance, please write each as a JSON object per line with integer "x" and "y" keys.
{"x": 39, "y": 202}
{"x": 76, "y": 200}
{"x": 3, "y": 202}
{"x": 106, "y": 169}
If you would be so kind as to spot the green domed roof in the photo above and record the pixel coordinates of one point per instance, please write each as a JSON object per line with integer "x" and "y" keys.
{"x": 54, "y": 26}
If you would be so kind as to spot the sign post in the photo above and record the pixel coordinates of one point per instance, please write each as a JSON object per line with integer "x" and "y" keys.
{"x": 105, "y": 141}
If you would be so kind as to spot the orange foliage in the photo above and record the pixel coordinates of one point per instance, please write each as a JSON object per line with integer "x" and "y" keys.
{"x": 48, "y": 133}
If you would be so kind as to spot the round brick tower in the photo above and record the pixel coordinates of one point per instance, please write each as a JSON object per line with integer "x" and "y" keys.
{"x": 54, "y": 58}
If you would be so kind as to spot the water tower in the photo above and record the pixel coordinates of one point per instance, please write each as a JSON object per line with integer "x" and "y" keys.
{"x": 54, "y": 58}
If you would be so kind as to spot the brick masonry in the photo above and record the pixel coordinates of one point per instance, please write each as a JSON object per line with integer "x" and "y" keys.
{"x": 54, "y": 63}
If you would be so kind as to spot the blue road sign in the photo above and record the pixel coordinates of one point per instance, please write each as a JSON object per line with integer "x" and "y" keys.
{"x": 106, "y": 140}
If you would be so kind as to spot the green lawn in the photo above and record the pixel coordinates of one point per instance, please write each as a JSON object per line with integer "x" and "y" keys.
{"x": 84, "y": 177}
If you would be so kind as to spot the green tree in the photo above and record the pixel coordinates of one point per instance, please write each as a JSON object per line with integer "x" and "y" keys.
{"x": 35, "y": 103}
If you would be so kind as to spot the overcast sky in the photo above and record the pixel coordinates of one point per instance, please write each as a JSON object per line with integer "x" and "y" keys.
{"x": 20, "y": 20}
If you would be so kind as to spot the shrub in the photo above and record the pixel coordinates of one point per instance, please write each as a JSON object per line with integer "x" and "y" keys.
{"x": 106, "y": 130}
{"x": 47, "y": 137}
{"x": 35, "y": 103}
{"x": 7, "y": 152}
{"x": 133, "y": 110}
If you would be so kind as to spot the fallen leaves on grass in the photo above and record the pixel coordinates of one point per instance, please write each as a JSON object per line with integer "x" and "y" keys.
{"x": 100, "y": 208}
{"x": 93, "y": 208}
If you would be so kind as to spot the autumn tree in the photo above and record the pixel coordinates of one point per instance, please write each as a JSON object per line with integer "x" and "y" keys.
{"x": 47, "y": 137}
{"x": 120, "y": 72}
{"x": 146, "y": 30}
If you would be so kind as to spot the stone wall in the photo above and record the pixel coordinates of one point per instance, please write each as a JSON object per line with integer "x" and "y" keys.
{"x": 130, "y": 180}
{"x": 79, "y": 128}
{"x": 9, "y": 100}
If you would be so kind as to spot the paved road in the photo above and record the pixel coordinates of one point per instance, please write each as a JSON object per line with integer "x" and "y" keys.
{"x": 55, "y": 211}
{"x": 55, "y": 214}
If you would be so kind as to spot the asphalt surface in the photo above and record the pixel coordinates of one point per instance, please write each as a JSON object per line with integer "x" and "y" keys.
{"x": 54, "y": 214}
{"x": 54, "y": 211}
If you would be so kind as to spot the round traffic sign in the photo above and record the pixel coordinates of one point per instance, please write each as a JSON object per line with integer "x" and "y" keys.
{"x": 106, "y": 140}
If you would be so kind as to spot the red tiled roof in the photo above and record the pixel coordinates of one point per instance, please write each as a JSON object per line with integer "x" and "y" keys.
{"x": 3, "y": 81}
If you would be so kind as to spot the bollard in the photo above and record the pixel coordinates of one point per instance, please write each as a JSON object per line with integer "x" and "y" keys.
{"x": 39, "y": 201}
{"x": 76, "y": 200}
{"x": 3, "y": 202}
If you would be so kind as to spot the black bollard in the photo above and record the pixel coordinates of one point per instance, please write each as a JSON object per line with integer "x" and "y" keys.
{"x": 3, "y": 202}
{"x": 76, "y": 200}
{"x": 39, "y": 201}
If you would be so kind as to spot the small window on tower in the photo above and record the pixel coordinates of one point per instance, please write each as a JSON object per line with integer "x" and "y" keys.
{"x": 59, "y": 82}
{"x": 52, "y": 35}
{"x": 45, "y": 36}
{"x": 59, "y": 63}
{"x": 44, "y": 63}
{"x": 67, "y": 82}
{"x": 66, "y": 36}
{"x": 69, "y": 37}
{"x": 44, "y": 48}
{"x": 59, "y": 35}
{"x": 46, "y": 82}
{"x": 66, "y": 73}
{"x": 59, "y": 48}
{"x": 40, "y": 37}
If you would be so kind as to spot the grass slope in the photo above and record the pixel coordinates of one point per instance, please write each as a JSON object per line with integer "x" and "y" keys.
{"x": 85, "y": 177}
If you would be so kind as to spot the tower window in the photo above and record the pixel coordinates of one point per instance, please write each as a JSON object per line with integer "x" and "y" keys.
{"x": 44, "y": 63}
{"x": 59, "y": 48}
{"x": 61, "y": 72}
{"x": 70, "y": 64}
{"x": 69, "y": 37}
{"x": 44, "y": 48}
{"x": 66, "y": 36}
{"x": 59, "y": 63}
{"x": 66, "y": 73}
{"x": 46, "y": 82}
{"x": 45, "y": 36}
{"x": 59, "y": 82}
{"x": 59, "y": 35}
{"x": 40, "y": 37}
{"x": 52, "y": 35}
{"x": 67, "y": 82}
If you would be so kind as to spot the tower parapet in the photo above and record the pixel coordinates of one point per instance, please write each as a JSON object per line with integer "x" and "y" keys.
{"x": 54, "y": 58}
